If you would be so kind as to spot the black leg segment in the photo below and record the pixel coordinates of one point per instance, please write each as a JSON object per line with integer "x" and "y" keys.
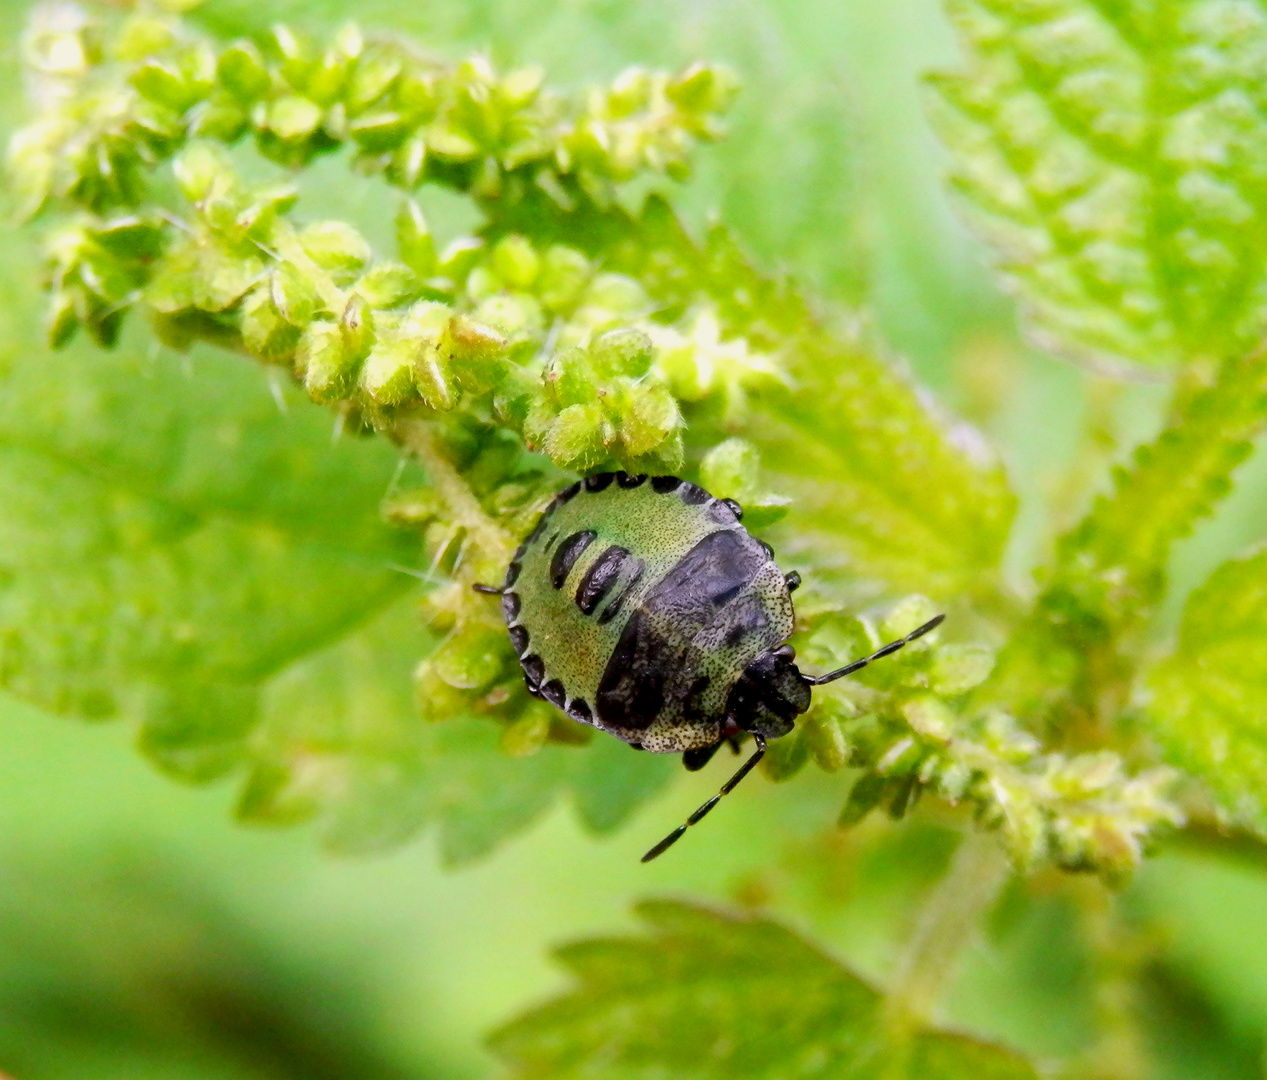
{"x": 888, "y": 650}
{"x": 702, "y": 812}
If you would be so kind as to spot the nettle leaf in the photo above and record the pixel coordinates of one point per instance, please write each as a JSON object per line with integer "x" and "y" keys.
{"x": 1111, "y": 568}
{"x": 1116, "y": 157}
{"x": 1208, "y": 699}
{"x": 706, "y": 994}
{"x": 171, "y": 541}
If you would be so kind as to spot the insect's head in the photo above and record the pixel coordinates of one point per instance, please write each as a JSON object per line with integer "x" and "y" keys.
{"x": 770, "y": 694}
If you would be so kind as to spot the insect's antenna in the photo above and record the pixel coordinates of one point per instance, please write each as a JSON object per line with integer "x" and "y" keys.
{"x": 888, "y": 650}
{"x": 492, "y": 590}
{"x": 699, "y": 814}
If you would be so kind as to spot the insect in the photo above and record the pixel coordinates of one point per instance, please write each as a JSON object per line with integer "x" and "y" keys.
{"x": 641, "y": 606}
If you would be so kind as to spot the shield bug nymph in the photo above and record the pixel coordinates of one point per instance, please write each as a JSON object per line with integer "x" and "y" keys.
{"x": 642, "y": 606}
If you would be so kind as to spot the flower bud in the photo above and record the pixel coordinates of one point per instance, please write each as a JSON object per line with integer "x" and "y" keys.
{"x": 293, "y": 294}
{"x": 322, "y": 360}
{"x": 907, "y": 615}
{"x": 958, "y": 668}
{"x": 63, "y": 318}
{"x": 562, "y": 279}
{"x": 652, "y": 417}
{"x": 292, "y": 118}
{"x": 334, "y": 246}
{"x": 378, "y": 132}
{"x": 388, "y": 373}
{"x": 222, "y": 118}
{"x": 616, "y": 293}
{"x": 826, "y": 740}
{"x": 201, "y": 169}
{"x": 865, "y": 795}
{"x": 373, "y": 77}
{"x": 578, "y": 438}
{"x": 515, "y": 262}
{"x": 785, "y": 757}
{"x": 930, "y": 717}
{"x": 459, "y": 257}
{"x": 414, "y": 240}
{"x": 357, "y": 326}
{"x": 159, "y": 82}
{"x": 221, "y": 279}
{"x": 467, "y": 342}
{"x": 702, "y": 88}
{"x": 241, "y": 71}
{"x": 625, "y": 351}
{"x": 516, "y": 315}
{"x": 264, "y": 330}
{"x": 388, "y": 285}
{"x": 569, "y": 379}
{"x": 528, "y": 734}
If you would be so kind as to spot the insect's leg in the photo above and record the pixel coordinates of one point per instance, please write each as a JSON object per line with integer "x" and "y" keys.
{"x": 699, "y": 814}
{"x": 696, "y": 759}
{"x": 888, "y": 649}
{"x": 492, "y": 590}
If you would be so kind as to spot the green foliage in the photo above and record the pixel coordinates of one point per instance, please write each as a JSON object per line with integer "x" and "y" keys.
{"x": 710, "y": 995}
{"x": 185, "y": 545}
{"x": 266, "y": 567}
{"x": 1206, "y": 699}
{"x": 1114, "y": 156}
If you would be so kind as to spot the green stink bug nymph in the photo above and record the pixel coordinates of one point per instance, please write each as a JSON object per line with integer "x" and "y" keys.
{"x": 641, "y": 606}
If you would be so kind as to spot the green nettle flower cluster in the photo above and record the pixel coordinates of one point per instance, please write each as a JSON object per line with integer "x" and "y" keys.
{"x": 566, "y": 335}
{"x": 130, "y": 96}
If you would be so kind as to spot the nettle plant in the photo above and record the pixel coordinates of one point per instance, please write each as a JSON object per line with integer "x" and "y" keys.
{"x": 218, "y": 572}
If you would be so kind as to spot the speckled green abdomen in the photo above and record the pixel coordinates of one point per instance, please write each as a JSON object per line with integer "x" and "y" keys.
{"x": 637, "y": 604}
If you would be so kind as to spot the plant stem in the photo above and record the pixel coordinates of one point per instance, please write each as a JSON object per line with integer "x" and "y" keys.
{"x": 977, "y": 872}
{"x": 493, "y": 543}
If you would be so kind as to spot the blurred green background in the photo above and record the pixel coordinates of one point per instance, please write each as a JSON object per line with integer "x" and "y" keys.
{"x": 142, "y": 934}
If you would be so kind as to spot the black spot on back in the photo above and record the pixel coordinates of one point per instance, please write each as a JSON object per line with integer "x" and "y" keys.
{"x": 566, "y": 554}
{"x": 693, "y": 494}
{"x": 599, "y": 481}
{"x": 632, "y": 690}
{"x": 510, "y": 606}
{"x": 665, "y": 484}
{"x": 519, "y": 639}
{"x": 600, "y": 578}
{"x": 578, "y": 709}
{"x": 553, "y": 693}
{"x": 720, "y": 511}
{"x": 534, "y": 670}
{"x": 512, "y": 575}
{"x": 692, "y": 708}
{"x": 746, "y": 617}
{"x": 627, "y": 481}
{"x": 549, "y": 543}
{"x": 618, "y": 601}
{"x": 567, "y": 494}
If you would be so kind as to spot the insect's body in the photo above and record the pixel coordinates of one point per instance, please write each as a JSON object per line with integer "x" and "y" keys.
{"x": 642, "y": 606}
{"x": 637, "y": 605}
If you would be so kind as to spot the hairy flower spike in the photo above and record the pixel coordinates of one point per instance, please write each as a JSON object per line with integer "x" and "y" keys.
{"x": 154, "y": 85}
